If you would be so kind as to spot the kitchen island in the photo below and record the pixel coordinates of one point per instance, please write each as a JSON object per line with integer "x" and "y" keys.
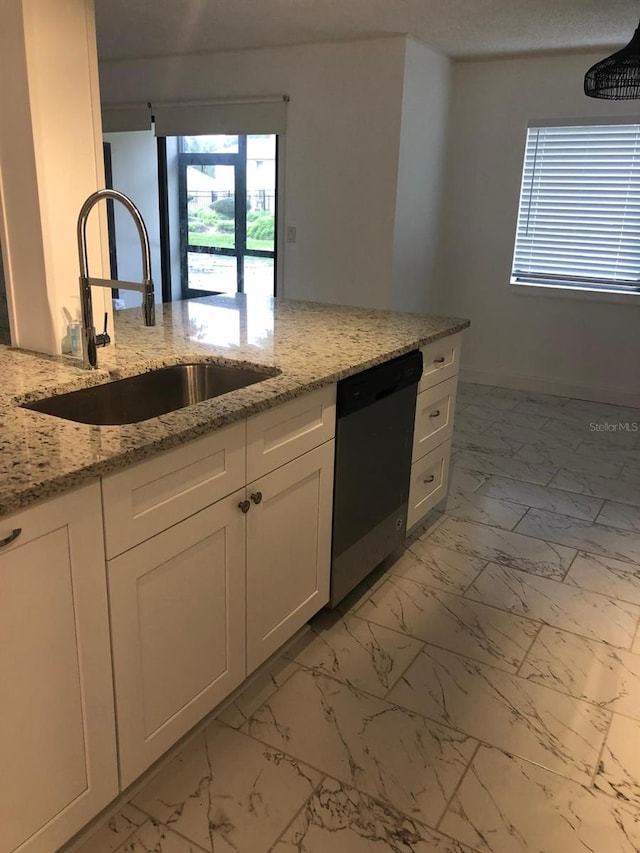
{"x": 148, "y": 569}
{"x": 311, "y": 344}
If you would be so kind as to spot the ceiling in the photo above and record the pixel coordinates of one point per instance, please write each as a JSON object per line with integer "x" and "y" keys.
{"x": 460, "y": 28}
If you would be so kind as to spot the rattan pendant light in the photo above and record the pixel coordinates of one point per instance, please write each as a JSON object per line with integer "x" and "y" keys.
{"x": 616, "y": 78}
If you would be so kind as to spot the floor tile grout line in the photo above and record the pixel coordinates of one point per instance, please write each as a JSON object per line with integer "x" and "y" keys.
{"x": 391, "y": 704}
{"x": 541, "y": 624}
{"x": 299, "y": 811}
{"x": 614, "y": 530}
{"x": 282, "y": 658}
{"x": 543, "y": 509}
{"x": 630, "y": 563}
{"x": 499, "y": 530}
{"x": 512, "y": 565}
{"x": 463, "y": 594}
{"x": 106, "y": 824}
{"x": 569, "y": 567}
{"x": 594, "y": 775}
{"x": 550, "y": 624}
{"x": 438, "y": 723}
{"x": 458, "y": 786}
{"x": 636, "y": 637}
{"x": 170, "y": 827}
{"x": 590, "y": 494}
{"x": 404, "y": 671}
{"x": 526, "y": 654}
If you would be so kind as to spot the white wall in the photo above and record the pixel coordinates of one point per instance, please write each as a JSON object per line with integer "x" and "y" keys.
{"x": 425, "y": 106}
{"x": 50, "y": 161}
{"x": 584, "y": 347}
{"x": 134, "y": 166}
{"x": 342, "y": 144}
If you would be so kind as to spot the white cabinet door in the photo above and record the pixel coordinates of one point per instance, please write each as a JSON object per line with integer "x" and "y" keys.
{"x": 288, "y": 550}
{"x": 283, "y": 433}
{"x": 429, "y": 482}
{"x": 434, "y": 417}
{"x": 178, "y": 630}
{"x": 57, "y": 733}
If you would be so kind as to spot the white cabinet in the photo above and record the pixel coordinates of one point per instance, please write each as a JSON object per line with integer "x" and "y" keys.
{"x": 429, "y": 481}
{"x": 433, "y": 427}
{"x": 177, "y": 622}
{"x": 440, "y": 361}
{"x": 434, "y": 417}
{"x": 57, "y": 734}
{"x": 281, "y": 434}
{"x": 288, "y": 550}
{"x": 198, "y": 605}
{"x": 146, "y": 498}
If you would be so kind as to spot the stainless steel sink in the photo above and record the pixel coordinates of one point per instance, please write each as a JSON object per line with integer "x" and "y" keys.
{"x": 138, "y": 398}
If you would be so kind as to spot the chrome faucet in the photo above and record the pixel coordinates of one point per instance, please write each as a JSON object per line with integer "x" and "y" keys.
{"x": 89, "y": 338}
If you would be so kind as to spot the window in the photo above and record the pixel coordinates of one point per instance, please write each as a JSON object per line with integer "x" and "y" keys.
{"x": 579, "y": 215}
{"x": 227, "y": 214}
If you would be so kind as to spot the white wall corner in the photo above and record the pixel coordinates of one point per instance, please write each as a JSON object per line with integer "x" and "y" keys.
{"x": 422, "y": 154}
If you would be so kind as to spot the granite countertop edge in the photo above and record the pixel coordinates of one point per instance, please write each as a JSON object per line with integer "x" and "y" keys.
{"x": 173, "y": 429}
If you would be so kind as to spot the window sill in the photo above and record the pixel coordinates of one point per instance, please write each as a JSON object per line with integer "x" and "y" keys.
{"x": 583, "y": 294}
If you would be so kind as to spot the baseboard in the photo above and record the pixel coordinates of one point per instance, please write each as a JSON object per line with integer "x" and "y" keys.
{"x": 557, "y": 387}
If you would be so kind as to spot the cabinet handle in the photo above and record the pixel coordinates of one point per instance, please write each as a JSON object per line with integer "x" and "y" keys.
{"x": 440, "y": 360}
{"x": 245, "y": 506}
{"x": 429, "y": 479}
{"x": 11, "y": 537}
{"x": 256, "y": 497}
{"x": 435, "y": 414}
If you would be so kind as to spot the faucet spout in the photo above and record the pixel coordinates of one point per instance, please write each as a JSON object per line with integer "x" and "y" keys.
{"x": 89, "y": 354}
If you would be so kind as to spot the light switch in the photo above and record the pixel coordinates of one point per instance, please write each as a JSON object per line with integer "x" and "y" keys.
{"x": 291, "y": 234}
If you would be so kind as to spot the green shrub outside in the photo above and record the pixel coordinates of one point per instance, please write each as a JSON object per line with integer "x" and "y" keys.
{"x": 225, "y": 207}
{"x": 262, "y": 229}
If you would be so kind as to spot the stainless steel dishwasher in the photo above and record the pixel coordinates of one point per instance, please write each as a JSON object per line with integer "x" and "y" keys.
{"x": 374, "y": 439}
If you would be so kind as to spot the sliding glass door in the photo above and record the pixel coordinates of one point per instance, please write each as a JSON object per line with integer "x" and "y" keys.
{"x": 228, "y": 192}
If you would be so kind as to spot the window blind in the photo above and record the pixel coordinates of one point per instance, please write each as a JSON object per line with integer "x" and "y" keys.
{"x": 198, "y": 118}
{"x": 117, "y": 118}
{"x": 579, "y": 214}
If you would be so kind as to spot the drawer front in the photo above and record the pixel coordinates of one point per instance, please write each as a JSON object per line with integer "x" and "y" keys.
{"x": 279, "y": 435}
{"x": 153, "y": 495}
{"x": 441, "y": 360}
{"x": 434, "y": 417}
{"x": 429, "y": 479}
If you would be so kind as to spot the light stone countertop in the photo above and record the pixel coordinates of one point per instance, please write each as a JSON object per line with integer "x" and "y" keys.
{"x": 312, "y": 344}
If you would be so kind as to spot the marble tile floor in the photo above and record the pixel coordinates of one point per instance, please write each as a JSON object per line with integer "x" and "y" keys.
{"x": 480, "y": 693}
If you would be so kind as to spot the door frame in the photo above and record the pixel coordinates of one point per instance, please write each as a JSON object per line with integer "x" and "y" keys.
{"x": 239, "y": 162}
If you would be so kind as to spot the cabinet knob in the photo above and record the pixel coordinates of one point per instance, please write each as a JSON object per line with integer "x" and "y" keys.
{"x": 439, "y": 360}
{"x": 11, "y": 537}
{"x": 244, "y": 506}
{"x": 429, "y": 479}
{"x": 435, "y": 414}
{"x": 256, "y": 497}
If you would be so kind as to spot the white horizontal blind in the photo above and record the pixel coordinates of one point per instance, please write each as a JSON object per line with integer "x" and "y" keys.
{"x": 579, "y": 215}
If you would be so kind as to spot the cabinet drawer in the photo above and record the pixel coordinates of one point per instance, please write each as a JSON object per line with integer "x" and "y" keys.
{"x": 429, "y": 478}
{"x": 281, "y": 434}
{"x": 153, "y": 495}
{"x": 434, "y": 417}
{"x": 441, "y": 361}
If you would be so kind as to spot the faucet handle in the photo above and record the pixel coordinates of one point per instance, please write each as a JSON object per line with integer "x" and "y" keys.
{"x": 103, "y": 340}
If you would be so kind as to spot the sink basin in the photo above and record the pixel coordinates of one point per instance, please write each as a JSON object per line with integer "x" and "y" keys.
{"x": 138, "y": 398}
